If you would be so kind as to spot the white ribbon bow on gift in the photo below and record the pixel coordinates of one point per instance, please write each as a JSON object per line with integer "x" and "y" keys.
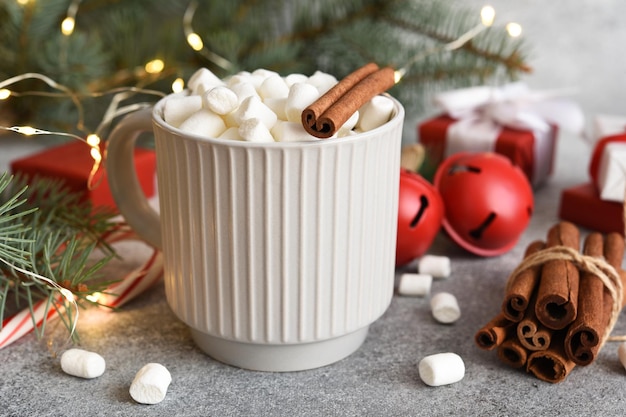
{"x": 482, "y": 112}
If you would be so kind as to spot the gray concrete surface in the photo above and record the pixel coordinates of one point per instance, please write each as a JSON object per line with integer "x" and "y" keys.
{"x": 575, "y": 44}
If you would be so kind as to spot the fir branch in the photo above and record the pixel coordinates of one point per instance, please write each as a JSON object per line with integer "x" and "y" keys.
{"x": 113, "y": 39}
{"x": 51, "y": 233}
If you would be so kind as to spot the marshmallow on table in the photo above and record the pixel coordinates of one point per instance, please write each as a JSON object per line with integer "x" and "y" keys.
{"x": 375, "y": 113}
{"x": 82, "y": 363}
{"x": 150, "y": 384}
{"x": 437, "y": 266}
{"x": 621, "y": 352}
{"x": 441, "y": 369}
{"x": 415, "y": 284}
{"x": 178, "y": 109}
{"x": 445, "y": 308}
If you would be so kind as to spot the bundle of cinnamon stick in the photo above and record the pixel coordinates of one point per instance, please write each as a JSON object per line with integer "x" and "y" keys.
{"x": 560, "y": 304}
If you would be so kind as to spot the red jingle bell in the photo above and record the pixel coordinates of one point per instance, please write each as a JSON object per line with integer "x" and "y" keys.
{"x": 420, "y": 213}
{"x": 488, "y": 201}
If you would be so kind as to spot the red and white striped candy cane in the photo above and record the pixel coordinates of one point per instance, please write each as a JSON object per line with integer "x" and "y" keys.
{"x": 117, "y": 294}
{"x": 23, "y": 322}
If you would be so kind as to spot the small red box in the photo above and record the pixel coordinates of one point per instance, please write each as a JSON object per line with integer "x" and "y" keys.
{"x": 517, "y": 145}
{"x": 72, "y": 163}
{"x": 582, "y": 205}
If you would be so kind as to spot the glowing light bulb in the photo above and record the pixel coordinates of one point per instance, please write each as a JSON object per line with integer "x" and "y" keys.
{"x": 487, "y": 15}
{"x": 178, "y": 85}
{"x": 4, "y": 93}
{"x": 155, "y": 66}
{"x": 93, "y": 140}
{"x": 69, "y": 296}
{"x": 94, "y": 298}
{"x": 193, "y": 39}
{"x": 96, "y": 155}
{"x": 26, "y": 130}
{"x": 67, "y": 26}
{"x": 514, "y": 29}
{"x": 23, "y": 2}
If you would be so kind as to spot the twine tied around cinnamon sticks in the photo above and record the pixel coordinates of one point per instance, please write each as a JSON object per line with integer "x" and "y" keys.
{"x": 560, "y": 305}
{"x": 324, "y": 117}
{"x": 598, "y": 267}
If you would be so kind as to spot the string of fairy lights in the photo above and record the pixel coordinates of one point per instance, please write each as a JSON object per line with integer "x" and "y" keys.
{"x": 155, "y": 67}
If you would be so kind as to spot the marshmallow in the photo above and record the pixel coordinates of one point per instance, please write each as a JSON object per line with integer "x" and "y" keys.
{"x": 348, "y": 125}
{"x": 82, "y": 363}
{"x": 291, "y": 132}
{"x": 415, "y": 284}
{"x": 301, "y": 95}
{"x": 260, "y": 75}
{"x": 240, "y": 77}
{"x": 177, "y": 109}
{"x": 277, "y": 105}
{"x": 253, "y": 107}
{"x": 375, "y": 113}
{"x": 232, "y": 133}
{"x": 244, "y": 90}
{"x": 204, "y": 123}
{"x": 220, "y": 100}
{"x": 322, "y": 81}
{"x": 273, "y": 87}
{"x": 291, "y": 79}
{"x": 441, "y": 369}
{"x": 345, "y": 133}
{"x": 150, "y": 384}
{"x": 437, "y": 266}
{"x": 445, "y": 308}
{"x": 254, "y": 130}
{"x": 621, "y": 352}
{"x": 202, "y": 81}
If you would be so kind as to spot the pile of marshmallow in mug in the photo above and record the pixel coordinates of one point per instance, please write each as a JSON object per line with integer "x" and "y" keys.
{"x": 261, "y": 106}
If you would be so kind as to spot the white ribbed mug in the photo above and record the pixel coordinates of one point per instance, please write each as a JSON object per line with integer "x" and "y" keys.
{"x": 277, "y": 256}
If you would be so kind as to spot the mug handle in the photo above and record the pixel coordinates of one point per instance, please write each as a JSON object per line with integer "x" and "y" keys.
{"x": 123, "y": 182}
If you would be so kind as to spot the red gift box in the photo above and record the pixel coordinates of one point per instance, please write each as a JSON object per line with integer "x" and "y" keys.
{"x": 72, "y": 162}
{"x": 517, "y": 145}
{"x": 582, "y": 205}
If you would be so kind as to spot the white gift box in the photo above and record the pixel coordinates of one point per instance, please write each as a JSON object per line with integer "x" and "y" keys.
{"x": 611, "y": 179}
{"x": 610, "y": 173}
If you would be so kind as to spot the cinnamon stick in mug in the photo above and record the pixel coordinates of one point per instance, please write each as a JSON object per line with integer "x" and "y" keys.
{"x": 521, "y": 287}
{"x": 325, "y": 116}
{"x": 557, "y": 293}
